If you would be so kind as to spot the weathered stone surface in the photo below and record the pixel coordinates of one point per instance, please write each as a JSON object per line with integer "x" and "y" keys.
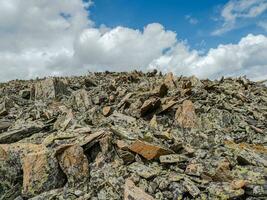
{"x": 224, "y": 190}
{"x": 186, "y": 116}
{"x": 213, "y": 148}
{"x": 172, "y": 158}
{"x": 149, "y": 151}
{"x": 169, "y": 80}
{"x": 162, "y": 90}
{"x": 131, "y": 192}
{"x": 4, "y": 125}
{"x": 16, "y": 135}
{"x": 81, "y": 99}
{"x": 49, "y": 88}
{"x": 191, "y": 187}
{"x": 41, "y": 173}
{"x": 106, "y": 111}
{"x": 149, "y": 106}
{"x": 143, "y": 170}
{"x": 74, "y": 164}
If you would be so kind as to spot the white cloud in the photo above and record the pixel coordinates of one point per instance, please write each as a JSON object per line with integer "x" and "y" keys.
{"x": 239, "y": 9}
{"x": 41, "y": 38}
{"x": 245, "y": 58}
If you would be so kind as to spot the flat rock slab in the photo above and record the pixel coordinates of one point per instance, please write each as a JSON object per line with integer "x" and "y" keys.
{"x": 172, "y": 158}
{"x": 149, "y": 151}
{"x": 131, "y": 192}
{"x": 143, "y": 170}
{"x": 186, "y": 116}
{"x": 16, "y": 135}
{"x": 41, "y": 173}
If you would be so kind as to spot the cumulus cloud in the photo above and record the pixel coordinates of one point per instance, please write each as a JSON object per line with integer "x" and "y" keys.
{"x": 239, "y": 9}
{"x": 245, "y": 58}
{"x": 42, "y": 38}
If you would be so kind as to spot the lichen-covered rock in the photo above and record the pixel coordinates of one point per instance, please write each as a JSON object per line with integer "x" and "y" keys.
{"x": 186, "y": 116}
{"x": 74, "y": 164}
{"x": 41, "y": 173}
{"x": 49, "y": 89}
{"x": 131, "y": 192}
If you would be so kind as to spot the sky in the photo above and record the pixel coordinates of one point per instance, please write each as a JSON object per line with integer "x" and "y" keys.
{"x": 205, "y": 38}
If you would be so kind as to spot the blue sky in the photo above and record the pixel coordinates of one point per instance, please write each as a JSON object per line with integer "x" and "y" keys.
{"x": 174, "y": 15}
{"x": 205, "y": 38}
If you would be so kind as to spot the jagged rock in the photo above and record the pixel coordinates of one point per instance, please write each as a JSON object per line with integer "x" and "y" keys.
{"x": 81, "y": 99}
{"x": 74, "y": 164}
{"x": 16, "y": 135}
{"x": 224, "y": 190}
{"x": 131, "y": 192}
{"x": 169, "y": 80}
{"x": 49, "y": 89}
{"x": 172, "y": 158}
{"x": 143, "y": 170}
{"x": 149, "y": 151}
{"x": 186, "y": 116}
{"x": 175, "y": 137}
{"x": 149, "y": 106}
{"x": 41, "y": 173}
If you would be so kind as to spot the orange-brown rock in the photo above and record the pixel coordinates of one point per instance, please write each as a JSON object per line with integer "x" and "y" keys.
{"x": 149, "y": 151}
{"x": 40, "y": 173}
{"x": 186, "y": 116}
{"x": 106, "y": 111}
{"x": 75, "y": 165}
{"x": 169, "y": 80}
{"x": 131, "y": 192}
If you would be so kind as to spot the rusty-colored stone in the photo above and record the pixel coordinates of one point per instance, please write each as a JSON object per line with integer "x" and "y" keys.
{"x": 40, "y": 173}
{"x": 75, "y": 165}
{"x": 169, "y": 80}
{"x": 149, "y": 151}
{"x": 186, "y": 116}
{"x": 106, "y": 111}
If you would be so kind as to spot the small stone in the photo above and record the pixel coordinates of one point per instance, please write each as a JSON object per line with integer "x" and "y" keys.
{"x": 143, "y": 170}
{"x": 78, "y": 193}
{"x": 172, "y": 158}
{"x": 122, "y": 145}
{"x": 191, "y": 187}
{"x": 148, "y": 150}
{"x": 153, "y": 122}
{"x": 131, "y": 192}
{"x": 106, "y": 111}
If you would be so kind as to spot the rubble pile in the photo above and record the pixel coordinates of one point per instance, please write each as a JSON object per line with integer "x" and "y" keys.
{"x": 133, "y": 136}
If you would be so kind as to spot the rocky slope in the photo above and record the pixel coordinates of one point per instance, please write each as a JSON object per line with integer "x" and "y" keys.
{"x": 133, "y": 136}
